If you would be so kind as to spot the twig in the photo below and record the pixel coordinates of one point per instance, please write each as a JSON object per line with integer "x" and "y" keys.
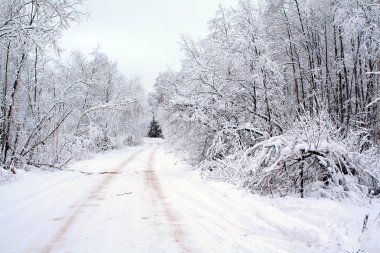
{"x": 365, "y": 223}
{"x": 125, "y": 193}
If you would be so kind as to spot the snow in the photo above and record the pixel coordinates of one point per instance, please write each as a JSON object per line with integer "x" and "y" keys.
{"x": 146, "y": 199}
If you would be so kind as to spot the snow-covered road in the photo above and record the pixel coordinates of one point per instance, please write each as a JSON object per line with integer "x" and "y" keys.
{"x": 143, "y": 199}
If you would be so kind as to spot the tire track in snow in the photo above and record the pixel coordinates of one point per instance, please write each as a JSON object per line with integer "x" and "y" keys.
{"x": 158, "y": 196}
{"x": 94, "y": 194}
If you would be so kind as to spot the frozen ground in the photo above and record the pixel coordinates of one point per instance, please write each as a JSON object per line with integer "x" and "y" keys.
{"x": 144, "y": 199}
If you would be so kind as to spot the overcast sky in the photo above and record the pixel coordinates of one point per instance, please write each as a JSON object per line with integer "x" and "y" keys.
{"x": 141, "y": 35}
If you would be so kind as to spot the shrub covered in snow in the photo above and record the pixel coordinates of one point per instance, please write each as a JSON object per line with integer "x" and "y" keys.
{"x": 311, "y": 159}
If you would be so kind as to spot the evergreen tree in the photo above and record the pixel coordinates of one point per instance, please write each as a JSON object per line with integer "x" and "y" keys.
{"x": 154, "y": 130}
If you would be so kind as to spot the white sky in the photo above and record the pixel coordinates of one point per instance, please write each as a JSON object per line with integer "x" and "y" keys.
{"x": 141, "y": 35}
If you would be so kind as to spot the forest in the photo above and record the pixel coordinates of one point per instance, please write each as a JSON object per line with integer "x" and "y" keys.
{"x": 281, "y": 97}
{"x": 54, "y": 110}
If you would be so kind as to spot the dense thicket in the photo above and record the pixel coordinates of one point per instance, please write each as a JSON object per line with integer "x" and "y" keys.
{"x": 282, "y": 95}
{"x": 51, "y": 110}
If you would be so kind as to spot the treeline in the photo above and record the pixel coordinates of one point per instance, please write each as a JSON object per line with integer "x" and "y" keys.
{"x": 282, "y": 96}
{"x": 51, "y": 110}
